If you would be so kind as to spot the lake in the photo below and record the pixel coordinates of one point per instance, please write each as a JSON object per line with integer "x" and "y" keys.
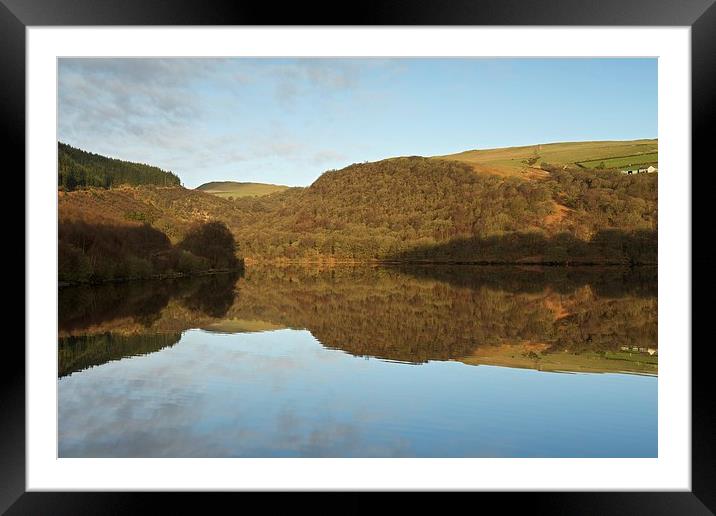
{"x": 431, "y": 361}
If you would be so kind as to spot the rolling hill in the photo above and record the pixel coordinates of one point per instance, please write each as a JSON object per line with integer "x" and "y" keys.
{"x": 236, "y": 189}
{"x": 528, "y": 160}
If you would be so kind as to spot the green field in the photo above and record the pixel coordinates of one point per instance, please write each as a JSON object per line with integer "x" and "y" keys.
{"x": 241, "y": 326}
{"x": 236, "y": 189}
{"x": 646, "y": 159}
{"x": 518, "y": 160}
{"x": 587, "y": 362}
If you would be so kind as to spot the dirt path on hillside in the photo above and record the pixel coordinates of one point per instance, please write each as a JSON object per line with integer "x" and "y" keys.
{"x": 535, "y": 173}
{"x": 558, "y": 215}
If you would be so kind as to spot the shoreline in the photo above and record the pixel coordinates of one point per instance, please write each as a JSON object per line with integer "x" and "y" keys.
{"x": 249, "y": 262}
{"x": 366, "y": 263}
{"x": 178, "y": 275}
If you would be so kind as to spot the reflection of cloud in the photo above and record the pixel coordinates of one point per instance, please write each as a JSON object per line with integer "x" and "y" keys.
{"x": 274, "y": 394}
{"x": 210, "y": 396}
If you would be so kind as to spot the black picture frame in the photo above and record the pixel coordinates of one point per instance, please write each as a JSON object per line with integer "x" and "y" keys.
{"x": 700, "y": 15}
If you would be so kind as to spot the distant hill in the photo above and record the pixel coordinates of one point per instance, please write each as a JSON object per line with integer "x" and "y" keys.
{"x": 528, "y": 160}
{"x": 236, "y": 189}
{"x": 79, "y": 169}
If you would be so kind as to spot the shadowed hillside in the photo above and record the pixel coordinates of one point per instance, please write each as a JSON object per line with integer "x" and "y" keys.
{"x": 102, "y": 252}
{"x": 141, "y": 232}
{"x": 610, "y": 247}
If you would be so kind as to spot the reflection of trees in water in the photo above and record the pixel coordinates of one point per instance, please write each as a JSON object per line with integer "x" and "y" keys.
{"x": 604, "y": 281}
{"x": 414, "y": 315}
{"x": 112, "y": 321}
{"x": 604, "y": 324}
{"x": 213, "y": 296}
{"x": 142, "y": 302}
{"x": 438, "y": 313}
{"x": 79, "y": 352}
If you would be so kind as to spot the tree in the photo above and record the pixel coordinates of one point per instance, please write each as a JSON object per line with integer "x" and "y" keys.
{"x": 213, "y": 241}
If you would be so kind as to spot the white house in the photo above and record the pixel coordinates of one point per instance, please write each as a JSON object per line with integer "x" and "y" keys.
{"x": 640, "y": 170}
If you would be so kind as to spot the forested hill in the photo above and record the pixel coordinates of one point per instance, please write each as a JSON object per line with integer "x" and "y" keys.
{"x": 420, "y": 209}
{"x": 78, "y": 169}
{"x": 409, "y": 209}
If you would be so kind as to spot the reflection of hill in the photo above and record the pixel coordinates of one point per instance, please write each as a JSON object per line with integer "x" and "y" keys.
{"x": 387, "y": 314}
{"x": 414, "y": 315}
{"x": 384, "y": 313}
{"x": 145, "y": 306}
{"x": 537, "y": 356}
{"x": 107, "y": 322}
{"x": 80, "y": 352}
{"x": 241, "y": 326}
{"x": 604, "y": 281}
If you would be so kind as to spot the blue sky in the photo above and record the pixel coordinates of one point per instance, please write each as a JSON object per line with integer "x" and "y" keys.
{"x": 286, "y": 121}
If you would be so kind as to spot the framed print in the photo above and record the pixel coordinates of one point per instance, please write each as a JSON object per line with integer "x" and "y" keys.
{"x": 434, "y": 249}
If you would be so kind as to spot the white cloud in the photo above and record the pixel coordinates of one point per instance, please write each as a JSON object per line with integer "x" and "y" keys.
{"x": 200, "y": 117}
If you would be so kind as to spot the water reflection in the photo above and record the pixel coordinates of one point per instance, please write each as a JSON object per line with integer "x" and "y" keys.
{"x": 550, "y": 318}
{"x": 282, "y": 394}
{"x": 362, "y": 362}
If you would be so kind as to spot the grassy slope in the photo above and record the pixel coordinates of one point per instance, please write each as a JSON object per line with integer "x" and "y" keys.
{"x": 512, "y": 160}
{"x": 237, "y": 189}
{"x": 529, "y": 356}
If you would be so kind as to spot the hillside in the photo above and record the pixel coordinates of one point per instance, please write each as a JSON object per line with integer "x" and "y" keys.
{"x": 420, "y": 209}
{"x": 141, "y": 232}
{"x": 409, "y": 209}
{"x": 79, "y": 169}
{"x": 589, "y": 155}
{"x": 234, "y": 189}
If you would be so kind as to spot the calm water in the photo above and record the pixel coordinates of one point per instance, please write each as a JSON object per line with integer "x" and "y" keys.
{"x": 361, "y": 362}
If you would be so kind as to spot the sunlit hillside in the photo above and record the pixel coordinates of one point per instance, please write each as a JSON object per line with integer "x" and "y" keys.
{"x": 399, "y": 209}
{"x": 589, "y": 155}
{"x": 234, "y": 189}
